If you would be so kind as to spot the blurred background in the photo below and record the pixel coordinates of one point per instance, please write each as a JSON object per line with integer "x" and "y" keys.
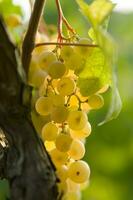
{"x": 109, "y": 149}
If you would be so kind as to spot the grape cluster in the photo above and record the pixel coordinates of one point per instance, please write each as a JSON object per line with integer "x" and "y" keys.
{"x": 60, "y": 113}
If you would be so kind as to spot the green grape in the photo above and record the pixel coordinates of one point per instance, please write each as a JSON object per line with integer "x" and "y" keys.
{"x": 75, "y": 62}
{"x": 49, "y": 145}
{"x": 44, "y": 105}
{"x": 77, "y": 120}
{"x": 36, "y": 77}
{"x": 77, "y": 150}
{"x": 66, "y": 52}
{"x": 58, "y": 100}
{"x": 83, "y": 50}
{"x": 66, "y": 86}
{"x": 62, "y": 173}
{"x": 13, "y": 20}
{"x": 45, "y": 59}
{"x": 79, "y": 171}
{"x": 83, "y": 133}
{"x": 58, "y": 158}
{"x": 96, "y": 101}
{"x": 49, "y": 132}
{"x": 59, "y": 114}
{"x": 39, "y": 121}
{"x": 63, "y": 142}
{"x": 56, "y": 70}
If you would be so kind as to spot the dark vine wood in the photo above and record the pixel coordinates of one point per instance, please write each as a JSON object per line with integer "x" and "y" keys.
{"x": 24, "y": 161}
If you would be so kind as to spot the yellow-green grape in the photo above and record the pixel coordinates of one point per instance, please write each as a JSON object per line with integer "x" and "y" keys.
{"x": 96, "y": 101}
{"x": 56, "y": 70}
{"x": 84, "y": 50}
{"x": 79, "y": 171}
{"x": 63, "y": 142}
{"x": 39, "y": 121}
{"x": 58, "y": 158}
{"x": 77, "y": 120}
{"x": 45, "y": 59}
{"x": 13, "y": 20}
{"x": 72, "y": 196}
{"x": 66, "y": 86}
{"x": 103, "y": 89}
{"x": 49, "y": 132}
{"x": 83, "y": 133}
{"x": 36, "y": 77}
{"x": 58, "y": 100}
{"x": 77, "y": 150}
{"x": 66, "y": 52}
{"x": 49, "y": 145}
{"x": 75, "y": 62}
{"x": 44, "y": 105}
{"x": 59, "y": 114}
{"x": 62, "y": 173}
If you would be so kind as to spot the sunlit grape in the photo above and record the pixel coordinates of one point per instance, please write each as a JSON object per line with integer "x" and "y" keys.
{"x": 58, "y": 158}
{"x": 59, "y": 114}
{"x": 66, "y": 86}
{"x": 63, "y": 142}
{"x": 77, "y": 150}
{"x": 49, "y": 132}
{"x": 56, "y": 70}
{"x": 45, "y": 59}
{"x": 96, "y": 101}
{"x": 83, "y": 133}
{"x": 44, "y": 105}
{"x": 79, "y": 171}
{"x": 77, "y": 120}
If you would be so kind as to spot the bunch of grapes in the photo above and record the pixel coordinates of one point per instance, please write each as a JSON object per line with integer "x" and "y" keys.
{"x": 60, "y": 113}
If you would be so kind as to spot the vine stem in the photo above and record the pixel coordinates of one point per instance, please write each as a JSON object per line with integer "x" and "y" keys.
{"x": 62, "y": 19}
{"x": 29, "y": 40}
{"x": 65, "y": 44}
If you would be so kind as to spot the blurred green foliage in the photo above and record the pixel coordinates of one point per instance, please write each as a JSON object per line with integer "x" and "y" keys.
{"x": 109, "y": 149}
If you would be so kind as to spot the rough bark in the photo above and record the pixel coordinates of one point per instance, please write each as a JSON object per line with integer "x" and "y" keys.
{"x": 24, "y": 161}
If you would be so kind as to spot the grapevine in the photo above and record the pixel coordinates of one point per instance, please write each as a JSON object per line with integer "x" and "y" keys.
{"x": 59, "y": 99}
{"x": 65, "y": 79}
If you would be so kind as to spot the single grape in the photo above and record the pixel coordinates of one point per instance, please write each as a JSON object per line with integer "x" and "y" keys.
{"x": 75, "y": 62}
{"x": 45, "y": 59}
{"x": 56, "y": 70}
{"x": 77, "y": 150}
{"x": 62, "y": 173}
{"x": 79, "y": 171}
{"x": 59, "y": 114}
{"x": 83, "y": 133}
{"x": 44, "y": 105}
{"x": 96, "y": 101}
{"x": 103, "y": 89}
{"x": 49, "y": 132}
{"x": 66, "y": 52}
{"x": 66, "y": 86}
{"x": 58, "y": 158}
{"x": 36, "y": 77}
{"x": 63, "y": 142}
{"x": 84, "y": 50}
{"x": 77, "y": 120}
{"x": 49, "y": 145}
{"x": 58, "y": 100}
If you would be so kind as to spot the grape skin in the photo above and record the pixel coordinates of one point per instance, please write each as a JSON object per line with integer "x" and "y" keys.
{"x": 79, "y": 171}
{"x": 56, "y": 70}
{"x": 44, "y": 105}
{"x": 77, "y": 120}
{"x": 49, "y": 132}
{"x": 66, "y": 86}
{"x": 63, "y": 142}
{"x": 77, "y": 150}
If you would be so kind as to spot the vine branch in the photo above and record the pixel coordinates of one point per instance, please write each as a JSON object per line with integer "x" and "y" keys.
{"x": 65, "y": 44}
{"x": 29, "y": 40}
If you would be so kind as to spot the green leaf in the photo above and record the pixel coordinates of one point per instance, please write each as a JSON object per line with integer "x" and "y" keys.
{"x": 115, "y": 105}
{"x": 102, "y": 65}
{"x": 95, "y": 73}
{"x": 96, "y": 12}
